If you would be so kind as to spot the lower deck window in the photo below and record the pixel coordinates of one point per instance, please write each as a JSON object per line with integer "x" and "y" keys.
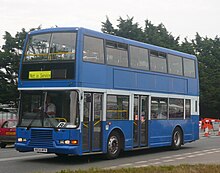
{"x": 159, "y": 108}
{"x": 176, "y": 108}
{"x": 117, "y": 107}
{"x": 187, "y": 108}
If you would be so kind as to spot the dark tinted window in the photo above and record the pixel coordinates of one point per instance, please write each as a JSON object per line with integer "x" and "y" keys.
{"x": 159, "y": 108}
{"x": 158, "y": 62}
{"x": 117, "y": 107}
{"x": 139, "y": 58}
{"x": 93, "y": 50}
{"x": 51, "y": 46}
{"x": 187, "y": 108}
{"x": 117, "y": 54}
{"x": 176, "y": 108}
{"x": 189, "y": 67}
{"x": 175, "y": 65}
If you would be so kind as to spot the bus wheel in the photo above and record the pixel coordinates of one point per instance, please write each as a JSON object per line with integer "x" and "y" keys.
{"x": 114, "y": 145}
{"x": 177, "y": 139}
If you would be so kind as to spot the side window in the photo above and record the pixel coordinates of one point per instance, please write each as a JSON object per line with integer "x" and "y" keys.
{"x": 187, "y": 108}
{"x": 93, "y": 50}
{"x": 196, "y": 106}
{"x": 159, "y": 108}
{"x": 139, "y": 58}
{"x": 175, "y": 65}
{"x": 189, "y": 67}
{"x": 117, "y": 54}
{"x": 176, "y": 108}
{"x": 117, "y": 107}
{"x": 158, "y": 62}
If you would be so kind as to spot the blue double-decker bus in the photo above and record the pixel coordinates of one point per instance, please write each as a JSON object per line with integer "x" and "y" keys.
{"x": 85, "y": 92}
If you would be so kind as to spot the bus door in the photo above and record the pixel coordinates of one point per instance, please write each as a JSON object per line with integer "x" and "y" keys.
{"x": 91, "y": 130}
{"x": 140, "y": 124}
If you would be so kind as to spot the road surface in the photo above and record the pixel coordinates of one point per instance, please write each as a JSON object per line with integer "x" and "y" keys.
{"x": 205, "y": 150}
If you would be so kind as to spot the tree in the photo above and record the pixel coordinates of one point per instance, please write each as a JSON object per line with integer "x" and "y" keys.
{"x": 107, "y": 27}
{"x": 9, "y": 65}
{"x": 158, "y": 35}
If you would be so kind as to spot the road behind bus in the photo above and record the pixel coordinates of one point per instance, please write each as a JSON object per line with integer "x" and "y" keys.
{"x": 205, "y": 150}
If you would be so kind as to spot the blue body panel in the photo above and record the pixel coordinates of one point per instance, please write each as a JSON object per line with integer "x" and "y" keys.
{"x": 91, "y": 75}
{"x": 160, "y": 131}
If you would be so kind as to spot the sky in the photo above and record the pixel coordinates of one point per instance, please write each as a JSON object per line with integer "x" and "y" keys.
{"x": 181, "y": 17}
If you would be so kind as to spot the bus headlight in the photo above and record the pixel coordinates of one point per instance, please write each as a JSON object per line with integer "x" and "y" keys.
{"x": 22, "y": 140}
{"x": 69, "y": 142}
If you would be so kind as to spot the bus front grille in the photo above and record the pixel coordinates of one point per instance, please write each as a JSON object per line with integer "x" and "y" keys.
{"x": 41, "y": 138}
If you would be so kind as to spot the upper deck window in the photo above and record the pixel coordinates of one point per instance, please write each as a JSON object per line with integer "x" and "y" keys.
{"x": 189, "y": 67}
{"x": 175, "y": 65}
{"x": 93, "y": 50}
{"x": 158, "y": 61}
{"x": 139, "y": 58}
{"x": 117, "y": 53}
{"x": 51, "y": 46}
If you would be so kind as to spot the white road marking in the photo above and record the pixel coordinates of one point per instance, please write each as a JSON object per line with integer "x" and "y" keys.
{"x": 140, "y": 166}
{"x": 168, "y": 160}
{"x": 140, "y": 162}
{"x": 124, "y": 165}
{"x": 163, "y": 159}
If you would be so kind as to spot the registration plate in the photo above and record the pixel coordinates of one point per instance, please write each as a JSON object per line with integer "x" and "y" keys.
{"x": 40, "y": 150}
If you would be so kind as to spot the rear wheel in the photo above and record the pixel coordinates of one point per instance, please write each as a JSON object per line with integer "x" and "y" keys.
{"x": 114, "y": 145}
{"x": 177, "y": 139}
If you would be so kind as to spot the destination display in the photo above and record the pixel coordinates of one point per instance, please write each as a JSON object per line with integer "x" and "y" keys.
{"x": 39, "y": 75}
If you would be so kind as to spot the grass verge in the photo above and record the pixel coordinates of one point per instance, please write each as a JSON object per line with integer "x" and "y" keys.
{"x": 199, "y": 168}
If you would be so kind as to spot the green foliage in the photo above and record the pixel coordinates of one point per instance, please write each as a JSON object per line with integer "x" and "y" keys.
{"x": 206, "y": 49}
{"x": 107, "y": 27}
{"x": 9, "y": 64}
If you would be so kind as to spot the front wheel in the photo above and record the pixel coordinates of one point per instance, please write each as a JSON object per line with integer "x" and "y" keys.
{"x": 177, "y": 139}
{"x": 113, "y": 145}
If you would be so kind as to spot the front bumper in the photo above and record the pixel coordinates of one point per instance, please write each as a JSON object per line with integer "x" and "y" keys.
{"x": 21, "y": 147}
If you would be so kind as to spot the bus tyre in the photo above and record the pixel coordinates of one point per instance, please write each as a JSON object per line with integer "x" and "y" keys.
{"x": 113, "y": 145}
{"x": 177, "y": 139}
